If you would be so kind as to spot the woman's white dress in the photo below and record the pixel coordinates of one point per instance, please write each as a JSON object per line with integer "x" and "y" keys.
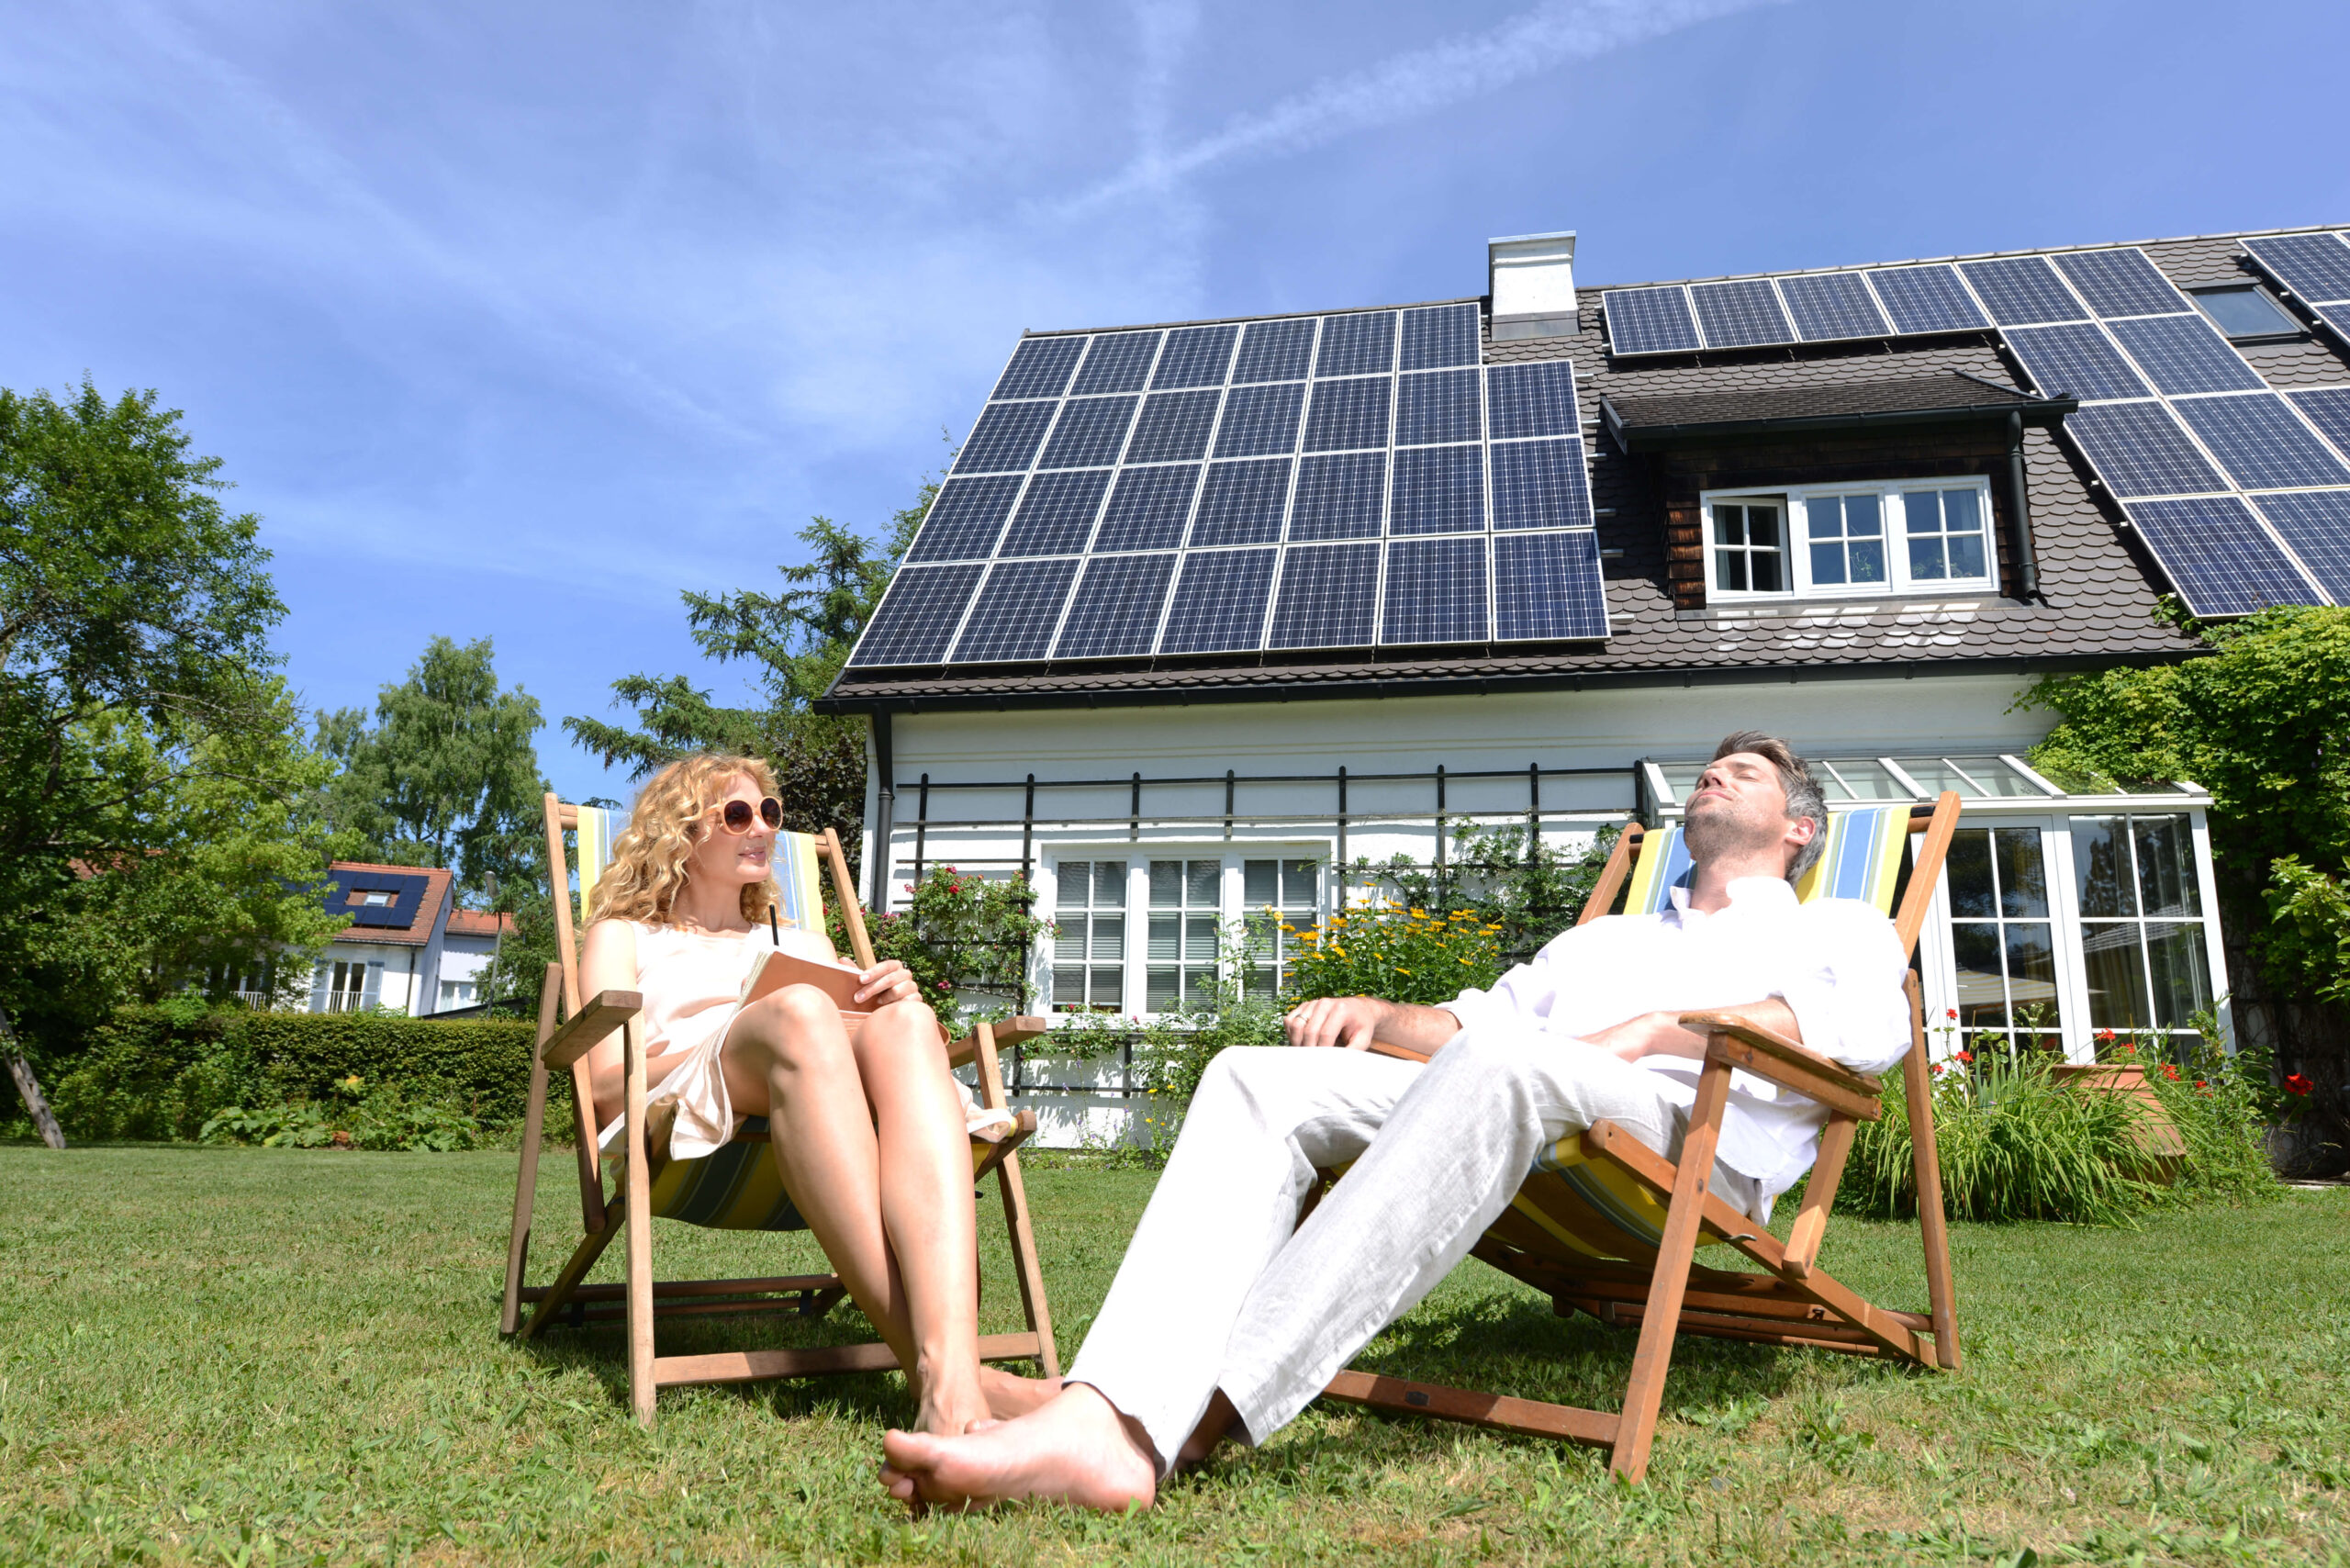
{"x": 692, "y": 983}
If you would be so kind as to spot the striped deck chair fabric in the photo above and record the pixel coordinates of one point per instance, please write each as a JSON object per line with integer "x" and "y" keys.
{"x": 1588, "y": 1205}
{"x": 735, "y": 1186}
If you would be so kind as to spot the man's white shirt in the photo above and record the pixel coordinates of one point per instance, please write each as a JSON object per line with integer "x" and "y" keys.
{"x": 1835, "y": 962}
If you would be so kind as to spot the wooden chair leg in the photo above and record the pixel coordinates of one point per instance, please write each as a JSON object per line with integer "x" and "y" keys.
{"x": 1644, "y": 1394}
{"x": 1820, "y": 1196}
{"x": 526, "y": 1181}
{"x": 1933, "y": 1223}
{"x": 1015, "y": 1214}
{"x": 583, "y": 1257}
{"x": 638, "y": 1195}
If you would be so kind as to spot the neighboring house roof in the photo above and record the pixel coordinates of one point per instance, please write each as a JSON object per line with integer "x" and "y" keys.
{"x": 479, "y": 922}
{"x": 417, "y": 897}
{"x": 2100, "y": 586}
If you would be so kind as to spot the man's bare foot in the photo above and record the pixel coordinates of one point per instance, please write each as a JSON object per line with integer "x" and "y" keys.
{"x": 1075, "y": 1448}
{"x": 1010, "y": 1394}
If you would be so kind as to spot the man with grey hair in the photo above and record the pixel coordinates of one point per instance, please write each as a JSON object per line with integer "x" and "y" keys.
{"x": 1227, "y": 1316}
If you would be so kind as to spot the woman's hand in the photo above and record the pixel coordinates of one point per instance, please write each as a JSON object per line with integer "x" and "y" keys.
{"x": 886, "y": 982}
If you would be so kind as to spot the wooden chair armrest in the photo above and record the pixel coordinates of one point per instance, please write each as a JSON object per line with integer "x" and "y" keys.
{"x": 1777, "y": 1060}
{"x": 586, "y": 1028}
{"x": 1009, "y": 1032}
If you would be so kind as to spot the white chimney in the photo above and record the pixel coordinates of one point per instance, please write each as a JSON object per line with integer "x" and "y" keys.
{"x": 1532, "y": 280}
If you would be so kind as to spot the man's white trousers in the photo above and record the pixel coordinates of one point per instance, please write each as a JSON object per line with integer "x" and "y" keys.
{"x": 1222, "y": 1288}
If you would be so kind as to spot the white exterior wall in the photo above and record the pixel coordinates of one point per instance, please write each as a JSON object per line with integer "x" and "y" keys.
{"x": 463, "y": 958}
{"x": 1502, "y": 733}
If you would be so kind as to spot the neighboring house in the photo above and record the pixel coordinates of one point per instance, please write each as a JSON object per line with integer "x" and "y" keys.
{"x": 469, "y": 944}
{"x": 1204, "y": 610}
{"x": 392, "y": 952}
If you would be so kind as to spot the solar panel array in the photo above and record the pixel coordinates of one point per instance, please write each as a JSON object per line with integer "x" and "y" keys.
{"x": 2313, "y": 267}
{"x": 1345, "y": 481}
{"x": 2232, "y": 486}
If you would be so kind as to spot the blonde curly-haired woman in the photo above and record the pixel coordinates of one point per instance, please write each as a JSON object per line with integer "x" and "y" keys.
{"x": 869, "y": 1128}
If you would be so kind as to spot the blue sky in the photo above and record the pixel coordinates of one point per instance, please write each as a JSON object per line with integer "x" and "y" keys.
{"x": 514, "y": 320}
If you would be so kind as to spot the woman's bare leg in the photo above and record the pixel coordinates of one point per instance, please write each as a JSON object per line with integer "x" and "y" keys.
{"x": 926, "y": 1209}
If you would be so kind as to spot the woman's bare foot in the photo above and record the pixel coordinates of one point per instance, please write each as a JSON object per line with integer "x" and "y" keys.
{"x": 1010, "y": 1394}
{"x": 1074, "y": 1449}
{"x": 948, "y": 1405}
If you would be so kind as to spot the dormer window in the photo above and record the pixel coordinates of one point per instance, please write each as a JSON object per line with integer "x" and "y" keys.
{"x": 1850, "y": 541}
{"x": 368, "y": 899}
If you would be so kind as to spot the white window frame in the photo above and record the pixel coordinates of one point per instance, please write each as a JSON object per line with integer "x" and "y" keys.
{"x": 1231, "y": 902}
{"x": 1892, "y": 508}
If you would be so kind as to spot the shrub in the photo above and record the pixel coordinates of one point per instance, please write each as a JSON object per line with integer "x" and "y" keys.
{"x": 2222, "y": 1106}
{"x": 960, "y": 934}
{"x": 1401, "y": 955}
{"x": 355, "y": 1117}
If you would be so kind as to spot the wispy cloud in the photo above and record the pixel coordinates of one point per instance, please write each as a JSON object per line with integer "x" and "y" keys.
{"x": 1417, "y": 82}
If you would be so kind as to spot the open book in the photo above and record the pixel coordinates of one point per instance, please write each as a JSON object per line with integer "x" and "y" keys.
{"x": 776, "y": 969}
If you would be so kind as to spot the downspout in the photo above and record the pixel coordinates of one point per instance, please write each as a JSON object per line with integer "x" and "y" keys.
{"x": 2019, "y": 514}
{"x": 885, "y": 811}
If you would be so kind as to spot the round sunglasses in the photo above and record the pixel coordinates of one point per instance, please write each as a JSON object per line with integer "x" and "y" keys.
{"x": 736, "y": 814}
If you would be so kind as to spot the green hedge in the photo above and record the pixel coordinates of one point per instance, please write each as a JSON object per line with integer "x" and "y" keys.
{"x": 160, "y": 1072}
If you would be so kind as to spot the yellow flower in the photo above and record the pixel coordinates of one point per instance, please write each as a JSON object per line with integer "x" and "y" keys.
{"x": 1419, "y": 915}
{"x": 1401, "y": 970}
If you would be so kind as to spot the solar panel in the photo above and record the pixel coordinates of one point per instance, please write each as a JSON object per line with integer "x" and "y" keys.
{"x": 1148, "y": 508}
{"x": 1925, "y": 299}
{"x": 1275, "y": 350}
{"x": 1329, "y": 598}
{"x": 2336, "y": 316}
{"x": 1039, "y": 367}
{"x": 1220, "y": 602}
{"x": 1435, "y": 406}
{"x": 2186, "y": 353}
{"x": 2218, "y": 557}
{"x": 1090, "y": 431}
{"x": 1005, "y": 439}
{"x": 1540, "y": 483}
{"x": 1339, "y": 497}
{"x": 1349, "y": 414}
{"x": 1436, "y": 591}
{"x": 1547, "y": 586}
{"x": 1357, "y": 345}
{"x": 2075, "y": 359}
{"x": 1196, "y": 357}
{"x": 2316, "y": 524}
{"x": 1532, "y": 399}
{"x": 917, "y": 618}
{"x": 1017, "y": 612}
{"x": 2023, "y": 289}
{"x": 1261, "y": 419}
{"x": 2315, "y": 266}
{"x": 2138, "y": 450}
{"x": 1173, "y": 427}
{"x": 962, "y": 521}
{"x": 2121, "y": 283}
{"x": 1741, "y": 315}
{"x": 2261, "y": 445}
{"x": 1118, "y": 361}
{"x": 1650, "y": 320}
{"x": 1829, "y": 306}
{"x": 1242, "y": 503}
{"x": 1439, "y": 336}
{"x": 2327, "y": 408}
{"x": 1438, "y": 489}
{"x": 1115, "y": 611}
{"x": 1057, "y": 514}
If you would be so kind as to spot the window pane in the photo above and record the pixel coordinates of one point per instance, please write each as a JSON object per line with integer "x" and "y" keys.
{"x": 1963, "y": 511}
{"x": 1159, "y": 992}
{"x": 1730, "y": 569}
{"x": 1864, "y": 518}
{"x": 1302, "y": 886}
{"x": 1076, "y": 879}
{"x": 1109, "y": 884}
{"x": 2024, "y": 881}
{"x": 1864, "y": 777}
{"x": 1199, "y": 883}
{"x": 1109, "y": 937}
{"x": 1166, "y": 938}
{"x": 1971, "y": 894}
{"x": 1167, "y": 884}
{"x": 1982, "y": 1001}
{"x": 1068, "y": 986}
{"x": 2244, "y": 312}
{"x": 1935, "y": 775}
{"x": 1260, "y": 882}
{"x": 2032, "y": 971}
{"x": 1762, "y": 527}
{"x": 2116, "y": 977}
{"x": 2101, "y": 866}
{"x": 1767, "y": 578}
{"x": 1109, "y": 988}
{"x": 2166, "y": 867}
{"x": 1922, "y": 512}
{"x": 1827, "y": 563}
{"x": 1868, "y": 559}
{"x": 1729, "y": 525}
{"x": 1824, "y": 517}
{"x": 1966, "y": 556}
{"x": 2182, "y": 983}
{"x": 1927, "y": 563}
{"x": 1198, "y": 936}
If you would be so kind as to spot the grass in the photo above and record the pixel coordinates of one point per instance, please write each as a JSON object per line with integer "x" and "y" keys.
{"x": 254, "y": 1356}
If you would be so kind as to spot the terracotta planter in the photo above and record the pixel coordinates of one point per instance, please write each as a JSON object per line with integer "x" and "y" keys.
{"x": 2156, "y": 1135}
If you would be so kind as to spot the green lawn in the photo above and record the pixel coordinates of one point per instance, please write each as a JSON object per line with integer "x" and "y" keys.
{"x": 214, "y": 1355}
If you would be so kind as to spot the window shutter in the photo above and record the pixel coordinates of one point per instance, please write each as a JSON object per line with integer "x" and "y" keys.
{"x": 319, "y": 978}
{"x": 375, "y": 983}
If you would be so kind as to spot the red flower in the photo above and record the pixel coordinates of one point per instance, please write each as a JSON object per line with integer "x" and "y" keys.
{"x": 2297, "y": 1084}
{"x": 2170, "y": 1072}
{"x": 2129, "y": 1050}
{"x": 2105, "y": 1034}
{"x": 1966, "y": 1057}
{"x": 2201, "y": 1087}
{"x": 1937, "y": 1067}
{"x": 1950, "y": 1011}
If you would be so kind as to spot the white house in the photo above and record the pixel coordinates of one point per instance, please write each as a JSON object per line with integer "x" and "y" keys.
{"x": 391, "y": 953}
{"x": 1208, "y": 610}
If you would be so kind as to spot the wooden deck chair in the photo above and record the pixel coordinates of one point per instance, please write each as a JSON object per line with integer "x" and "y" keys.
{"x": 734, "y": 1187}
{"x": 1606, "y": 1226}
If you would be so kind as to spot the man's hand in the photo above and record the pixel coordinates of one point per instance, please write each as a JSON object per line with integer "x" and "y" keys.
{"x": 1660, "y": 1034}
{"x": 1349, "y": 1021}
{"x": 886, "y": 982}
